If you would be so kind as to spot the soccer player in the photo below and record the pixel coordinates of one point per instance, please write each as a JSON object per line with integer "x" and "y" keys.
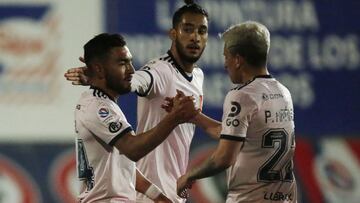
{"x": 107, "y": 147}
{"x": 257, "y": 139}
{"x": 160, "y": 78}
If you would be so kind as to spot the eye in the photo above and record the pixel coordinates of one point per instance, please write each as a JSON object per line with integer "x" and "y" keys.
{"x": 203, "y": 30}
{"x": 188, "y": 29}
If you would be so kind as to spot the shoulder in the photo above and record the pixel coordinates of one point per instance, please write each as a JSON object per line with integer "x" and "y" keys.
{"x": 198, "y": 72}
{"x": 162, "y": 62}
{"x": 96, "y": 102}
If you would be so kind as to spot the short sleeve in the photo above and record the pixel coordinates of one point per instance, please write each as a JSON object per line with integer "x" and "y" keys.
{"x": 107, "y": 122}
{"x": 238, "y": 109}
{"x": 152, "y": 79}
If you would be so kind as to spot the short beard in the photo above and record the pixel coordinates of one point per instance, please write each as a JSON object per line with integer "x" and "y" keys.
{"x": 181, "y": 51}
{"x": 115, "y": 86}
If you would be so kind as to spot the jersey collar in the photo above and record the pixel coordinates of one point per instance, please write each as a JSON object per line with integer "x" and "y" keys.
{"x": 100, "y": 93}
{"x": 178, "y": 67}
{"x": 263, "y": 76}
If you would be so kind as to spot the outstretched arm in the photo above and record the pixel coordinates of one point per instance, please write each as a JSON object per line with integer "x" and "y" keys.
{"x": 221, "y": 159}
{"x": 211, "y": 126}
{"x": 143, "y": 185}
{"x": 135, "y": 147}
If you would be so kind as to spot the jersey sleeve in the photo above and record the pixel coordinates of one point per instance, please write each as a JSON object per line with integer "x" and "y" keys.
{"x": 142, "y": 82}
{"x": 238, "y": 110}
{"x": 107, "y": 122}
{"x": 152, "y": 79}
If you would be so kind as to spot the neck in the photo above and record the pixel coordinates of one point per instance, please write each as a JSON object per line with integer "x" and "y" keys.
{"x": 187, "y": 67}
{"x": 102, "y": 86}
{"x": 252, "y": 72}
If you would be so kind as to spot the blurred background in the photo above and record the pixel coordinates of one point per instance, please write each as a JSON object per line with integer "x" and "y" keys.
{"x": 315, "y": 52}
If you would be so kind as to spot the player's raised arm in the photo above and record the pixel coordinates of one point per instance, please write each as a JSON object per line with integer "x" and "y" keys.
{"x": 211, "y": 126}
{"x": 135, "y": 147}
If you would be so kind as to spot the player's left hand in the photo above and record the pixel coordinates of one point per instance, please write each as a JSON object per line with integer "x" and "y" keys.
{"x": 183, "y": 186}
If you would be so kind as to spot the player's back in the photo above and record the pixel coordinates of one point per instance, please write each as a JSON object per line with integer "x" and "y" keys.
{"x": 263, "y": 169}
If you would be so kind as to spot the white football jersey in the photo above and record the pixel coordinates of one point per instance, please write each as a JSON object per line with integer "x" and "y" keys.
{"x": 156, "y": 80}
{"x": 260, "y": 113}
{"x": 106, "y": 175}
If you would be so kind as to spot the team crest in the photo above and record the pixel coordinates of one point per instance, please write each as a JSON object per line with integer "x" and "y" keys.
{"x": 115, "y": 126}
{"x": 103, "y": 112}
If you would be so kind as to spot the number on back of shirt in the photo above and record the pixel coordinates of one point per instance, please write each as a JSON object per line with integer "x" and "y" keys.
{"x": 85, "y": 171}
{"x": 268, "y": 172}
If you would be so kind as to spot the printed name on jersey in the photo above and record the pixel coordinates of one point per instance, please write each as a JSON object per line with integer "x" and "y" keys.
{"x": 115, "y": 126}
{"x": 272, "y": 96}
{"x": 234, "y": 111}
{"x": 103, "y": 112}
{"x": 282, "y": 115}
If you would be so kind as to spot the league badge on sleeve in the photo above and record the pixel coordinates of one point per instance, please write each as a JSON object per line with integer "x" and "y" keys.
{"x": 115, "y": 126}
{"x": 103, "y": 112}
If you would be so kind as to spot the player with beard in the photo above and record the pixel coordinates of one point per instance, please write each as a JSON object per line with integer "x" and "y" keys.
{"x": 161, "y": 78}
{"x": 106, "y": 145}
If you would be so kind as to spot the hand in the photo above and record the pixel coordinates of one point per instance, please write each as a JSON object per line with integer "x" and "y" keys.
{"x": 168, "y": 105}
{"x": 183, "y": 185}
{"x": 183, "y": 107}
{"x": 162, "y": 199}
{"x": 77, "y": 76}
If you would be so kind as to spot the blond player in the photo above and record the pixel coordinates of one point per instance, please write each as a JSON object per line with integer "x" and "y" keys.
{"x": 257, "y": 140}
{"x": 107, "y": 147}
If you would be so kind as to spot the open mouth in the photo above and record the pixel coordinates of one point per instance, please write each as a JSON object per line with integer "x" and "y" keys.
{"x": 128, "y": 79}
{"x": 193, "y": 47}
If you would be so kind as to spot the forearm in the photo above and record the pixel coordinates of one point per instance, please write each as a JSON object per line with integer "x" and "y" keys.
{"x": 209, "y": 168}
{"x": 145, "y": 142}
{"x": 211, "y": 126}
{"x": 144, "y": 186}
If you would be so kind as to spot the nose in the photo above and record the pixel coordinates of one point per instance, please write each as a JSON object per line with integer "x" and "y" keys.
{"x": 195, "y": 36}
{"x": 130, "y": 68}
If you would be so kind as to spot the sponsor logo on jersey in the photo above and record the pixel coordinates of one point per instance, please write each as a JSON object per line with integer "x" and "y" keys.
{"x": 103, "y": 112}
{"x": 272, "y": 96}
{"x": 234, "y": 111}
{"x": 278, "y": 196}
{"x": 115, "y": 126}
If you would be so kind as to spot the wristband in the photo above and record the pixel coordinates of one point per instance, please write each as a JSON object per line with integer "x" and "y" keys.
{"x": 153, "y": 192}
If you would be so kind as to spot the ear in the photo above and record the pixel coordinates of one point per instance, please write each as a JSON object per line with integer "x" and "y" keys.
{"x": 172, "y": 34}
{"x": 99, "y": 71}
{"x": 239, "y": 60}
